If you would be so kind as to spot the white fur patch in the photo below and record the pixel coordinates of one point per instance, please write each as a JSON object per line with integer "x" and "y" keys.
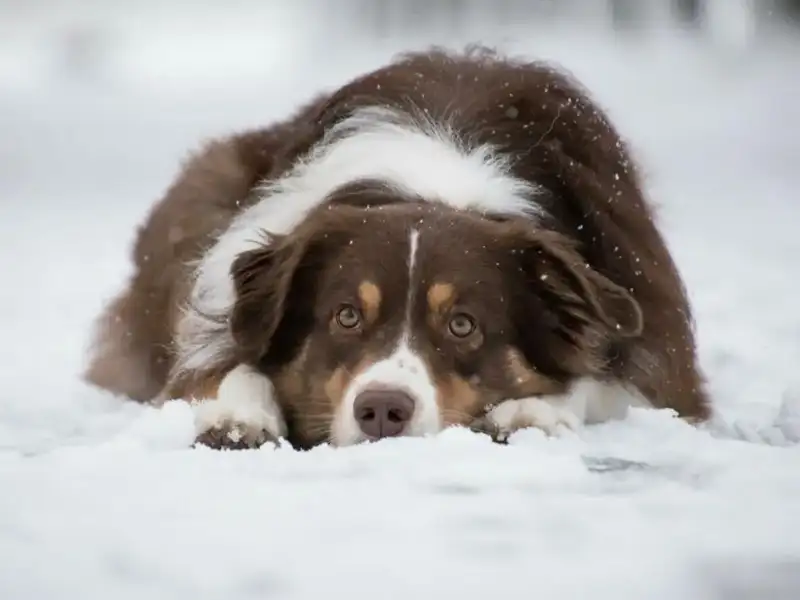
{"x": 418, "y": 157}
{"x": 413, "y": 246}
{"x": 245, "y": 407}
{"x": 404, "y": 370}
{"x": 550, "y": 415}
{"x": 588, "y": 401}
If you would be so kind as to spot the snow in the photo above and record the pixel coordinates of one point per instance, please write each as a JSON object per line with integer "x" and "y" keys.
{"x": 100, "y": 497}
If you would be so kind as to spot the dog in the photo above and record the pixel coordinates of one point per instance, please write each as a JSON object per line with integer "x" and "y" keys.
{"x": 455, "y": 238}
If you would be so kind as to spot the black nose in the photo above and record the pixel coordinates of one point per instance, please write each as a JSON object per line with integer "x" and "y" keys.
{"x": 383, "y": 413}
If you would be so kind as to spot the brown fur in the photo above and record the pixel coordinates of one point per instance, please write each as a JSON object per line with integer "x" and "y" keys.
{"x": 595, "y": 293}
{"x": 527, "y": 380}
{"x": 312, "y": 395}
{"x": 460, "y": 399}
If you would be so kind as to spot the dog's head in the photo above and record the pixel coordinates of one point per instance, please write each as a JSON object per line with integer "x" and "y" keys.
{"x": 402, "y": 318}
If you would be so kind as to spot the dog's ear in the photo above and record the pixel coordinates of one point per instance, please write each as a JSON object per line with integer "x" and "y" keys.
{"x": 577, "y": 288}
{"x": 579, "y": 309}
{"x": 274, "y": 287}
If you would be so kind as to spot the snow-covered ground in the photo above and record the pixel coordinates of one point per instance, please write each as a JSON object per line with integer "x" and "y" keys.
{"x": 101, "y": 498}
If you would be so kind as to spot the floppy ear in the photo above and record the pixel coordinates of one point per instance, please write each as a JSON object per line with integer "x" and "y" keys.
{"x": 273, "y": 307}
{"x": 585, "y": 306}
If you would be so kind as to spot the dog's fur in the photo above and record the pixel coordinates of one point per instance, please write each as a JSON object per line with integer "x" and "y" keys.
{"x": 467, "y": 186}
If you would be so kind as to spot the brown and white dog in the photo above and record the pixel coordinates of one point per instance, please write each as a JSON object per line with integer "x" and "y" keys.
{"x": 453, "y": 238}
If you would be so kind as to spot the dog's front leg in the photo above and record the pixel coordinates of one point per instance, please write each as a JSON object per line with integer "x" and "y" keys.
{"x": 237, "y": 410}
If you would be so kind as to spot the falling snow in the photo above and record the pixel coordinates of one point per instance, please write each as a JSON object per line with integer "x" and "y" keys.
{"x": 102, "y": 498}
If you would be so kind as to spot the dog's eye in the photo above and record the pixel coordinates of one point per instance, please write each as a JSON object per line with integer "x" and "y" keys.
{"x": 348, "y": 317}
{"x": 461, "y": 325}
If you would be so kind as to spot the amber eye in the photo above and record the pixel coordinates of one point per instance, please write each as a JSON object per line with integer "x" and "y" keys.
{"x": 461, "y": 325}
{"x": 348, "y": 317}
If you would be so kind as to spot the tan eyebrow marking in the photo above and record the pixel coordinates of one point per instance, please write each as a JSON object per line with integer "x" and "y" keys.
{"x": 440, "y": 296}
{"x": 370, "y": 295}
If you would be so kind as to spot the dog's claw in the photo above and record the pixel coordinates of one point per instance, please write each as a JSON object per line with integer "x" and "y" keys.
{"x": 486, "y": 426}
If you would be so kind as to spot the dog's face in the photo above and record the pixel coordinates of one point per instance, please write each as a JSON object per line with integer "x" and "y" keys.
{"x": 406, "y": 317}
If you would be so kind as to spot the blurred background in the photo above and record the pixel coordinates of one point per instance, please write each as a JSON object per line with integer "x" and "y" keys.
{"x": 100, "y": 101}
{"x": 114, "y": 42}
{"x": 70, "y": 70}
{"x": 79, "y": 73}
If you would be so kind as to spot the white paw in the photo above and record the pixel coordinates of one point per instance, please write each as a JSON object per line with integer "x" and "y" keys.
{"x": 553, "y": 416}
{"x": 243, "y": 415}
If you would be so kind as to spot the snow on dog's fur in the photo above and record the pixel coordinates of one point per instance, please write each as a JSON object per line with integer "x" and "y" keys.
{"x": 450, "y": 239}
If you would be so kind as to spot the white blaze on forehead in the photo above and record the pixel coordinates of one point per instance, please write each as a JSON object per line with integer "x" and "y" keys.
{"x": 403, "y": 370}
{"x": 409, "y": 152}
{"x": 413, "y": 245}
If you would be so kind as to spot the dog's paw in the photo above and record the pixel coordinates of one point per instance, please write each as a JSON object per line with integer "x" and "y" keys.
{"x": 243, "y": 415}
{"x": 552, "y": 416}
{"x": 235, "y": 436}
{"x": 486, "y": 426}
